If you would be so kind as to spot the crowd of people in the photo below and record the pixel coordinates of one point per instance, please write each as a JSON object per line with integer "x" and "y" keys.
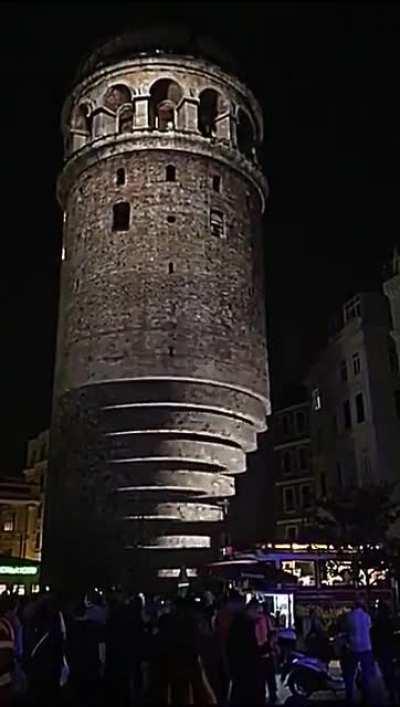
{"x": 121, "y": 650}
{"x": 124, "y": 651}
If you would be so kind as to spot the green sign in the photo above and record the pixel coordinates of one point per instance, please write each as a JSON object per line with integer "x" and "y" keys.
{"x": 13, "y": 569}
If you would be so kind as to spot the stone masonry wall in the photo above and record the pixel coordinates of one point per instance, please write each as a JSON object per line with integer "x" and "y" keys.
{"x": 124, "y": 309}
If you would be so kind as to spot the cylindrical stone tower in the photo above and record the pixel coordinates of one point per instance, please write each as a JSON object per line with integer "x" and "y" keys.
{"x": 161, "y": 382}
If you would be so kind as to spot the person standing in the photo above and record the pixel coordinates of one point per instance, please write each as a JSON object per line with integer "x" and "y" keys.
{"x": 19, "y": 682}
{"x": 358, "y": 631}
{"x": 7, "y": 652}
{"x": 223, "y": 621}
{"x": 84, "y": 649}
{"x": 382, "y": 634}
{"x": 244, "y": 659}
{"x": 317, "y": 641}
{"x": 45, "y": 653}
{"x": 269, "y": 656}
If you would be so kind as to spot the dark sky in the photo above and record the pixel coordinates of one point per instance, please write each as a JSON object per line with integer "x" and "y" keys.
{"x": 326, "y": 75}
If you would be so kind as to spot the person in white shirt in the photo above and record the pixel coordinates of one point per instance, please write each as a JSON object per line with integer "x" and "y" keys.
{"x": 357, "y": 629}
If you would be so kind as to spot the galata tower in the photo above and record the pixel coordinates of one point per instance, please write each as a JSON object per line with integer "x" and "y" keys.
{"x": 161, "y": 381}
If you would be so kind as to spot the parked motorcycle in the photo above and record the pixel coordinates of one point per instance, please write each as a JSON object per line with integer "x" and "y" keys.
{"x": 304, "y": 675}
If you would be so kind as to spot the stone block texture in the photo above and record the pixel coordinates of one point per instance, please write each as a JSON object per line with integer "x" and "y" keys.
{"x": 161, "y": 381}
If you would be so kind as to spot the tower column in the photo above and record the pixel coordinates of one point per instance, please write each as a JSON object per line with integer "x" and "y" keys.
{"x": 161, "y": 383}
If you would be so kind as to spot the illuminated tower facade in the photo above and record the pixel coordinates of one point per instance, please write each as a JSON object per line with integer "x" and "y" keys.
{"x": 161, "y": 382}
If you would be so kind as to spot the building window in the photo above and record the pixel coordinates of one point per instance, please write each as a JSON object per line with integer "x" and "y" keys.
{"x": 171, "y": 350}
{"x": 125, "y": 119}
{"x": 339, "y": 474}
{"x": 287, "y": 463}
{"x": 397, "y": 402}
{"x": 170, "y": 268}
{"x": 120, "y": 177}
{"x": 121, "y": 216}
{"x": 306, "y": 496}
{"x": 165, "y": 116}
{"x": 216, "y": 183}
{"x": 170, "y": 173}
{"x": 165, "y": 96}
{"x": 288, "y": 499}
{"x": 217, "y": 223}
{"x": 316, "y": 399}
{"x": 352, "y": 309}
{"x": 322, "y": 483}
{"x": 360, "y": 407}
{"x": 300, "y": 422}
{"x": 8, "y": 525}
{"x": 343, "y": 371}
{"x": 347, "y": 414}
{"x": 356, "y": 364}
{"x": 171, "y": 219}
{"x": 211, "y": 105}
{"x": 291, "y": 533}
{"x": 303, "y": 458}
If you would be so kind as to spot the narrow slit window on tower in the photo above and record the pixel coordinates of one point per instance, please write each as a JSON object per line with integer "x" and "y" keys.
{"x": 216, "y": 183}
{"x": 171, "y": 350}
{"x": 121, "y": 177}
{"x": 217, "y": 225}
{"x": 171, "y": 268}
{"x": 121, "y": 216}
{"x": 170, "y": 173}
{"x": 360, "y": 408}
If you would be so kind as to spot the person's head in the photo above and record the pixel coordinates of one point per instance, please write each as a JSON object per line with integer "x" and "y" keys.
{"x": 360, "y": 602}
{"x": 254, "y": 609}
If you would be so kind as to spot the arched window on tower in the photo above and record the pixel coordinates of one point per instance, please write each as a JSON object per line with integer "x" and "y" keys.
{"x": 211, "y": 105}
{"x": 165, "y": 96}
{"x": 125, "y": 118}
{"x": 245, "y": 134}
{"x": 82, "y": 119}
{"x": 117, "y": 96}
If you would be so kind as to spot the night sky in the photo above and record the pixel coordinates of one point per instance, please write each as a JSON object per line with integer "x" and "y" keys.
{"x": 327, "y": 77}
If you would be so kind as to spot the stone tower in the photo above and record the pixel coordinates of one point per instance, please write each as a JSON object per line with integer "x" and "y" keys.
{"x": 161, "y": 381}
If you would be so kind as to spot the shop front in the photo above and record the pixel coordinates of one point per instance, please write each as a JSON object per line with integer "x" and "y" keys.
{"x": 295, "y": 579}
{"x": 19, "y": 576}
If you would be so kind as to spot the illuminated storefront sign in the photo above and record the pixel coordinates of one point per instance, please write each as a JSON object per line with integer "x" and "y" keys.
{"x": 14, "y": 569}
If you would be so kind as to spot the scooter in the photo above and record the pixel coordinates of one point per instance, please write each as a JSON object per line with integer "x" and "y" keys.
{"x": 304, "y": 675}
